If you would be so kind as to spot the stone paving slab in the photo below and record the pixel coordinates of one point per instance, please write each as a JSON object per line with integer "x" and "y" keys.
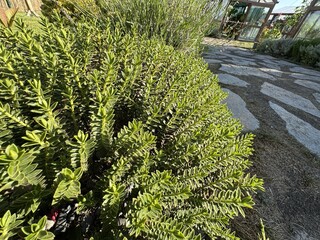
{"x": 238, "y": 107}
{"x": 286, "y": 63}
{"x": 213, "y": 54}
{"x": 302, "y": 76}
{"x": 305, "y": 71}
{"x": 232, "y": 80}
{"x": 209, "y": 61}
{"x": 317, "y": 96}
{"x": 243, "y": 62}
{"x": 274, "y": 72}
{"x": 289, "y": 98}
{"x": 264, "y": 57}
{"x": 245, "y": 71}
{"x": 270, "y": 64}
{"x": 304, "y": 132}
{"x": 244, "y": 53}
{"x": 308, "y": 84}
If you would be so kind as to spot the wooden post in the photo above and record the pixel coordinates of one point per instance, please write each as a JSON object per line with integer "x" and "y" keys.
{"x": 264, "y": 24}
{"x": 310, "y": 9}
{"x": 9, "y": 4}
{"x": 224, "y": 17}
{"x": 30, "y": 8}
{"x": 251, "y": 3}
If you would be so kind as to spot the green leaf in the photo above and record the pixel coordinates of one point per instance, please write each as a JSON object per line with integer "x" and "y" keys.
{"x": 68, "y": 185}
{"x": 36, "y": 231}
{"x": 12, "y": 152}
{"x": 20, "y": 168}
{"x": 42, "y": 223}
{"x": 9, "y": 225}
{"x": 6, "y": 219}
{"x": 45, "y": 235}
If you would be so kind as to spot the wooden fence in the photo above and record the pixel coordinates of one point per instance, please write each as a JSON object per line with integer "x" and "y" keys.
{"x": 21, "y": 4}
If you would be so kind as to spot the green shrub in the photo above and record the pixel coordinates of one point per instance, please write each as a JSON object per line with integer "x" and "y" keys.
{"x": 281, "y": 47}
{"x": 310, "y": 55}
{"x": 180, "y": 23}
{"x": 115, "y": 137}
{"x": 304, "y": 51}
{"x": 271, "y": 33}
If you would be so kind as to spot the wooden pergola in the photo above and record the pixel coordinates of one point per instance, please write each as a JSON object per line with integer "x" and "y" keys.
{"x": 22, "y": 5}
{"x": 247, "y": 19}
{"x": 309, "y": 25}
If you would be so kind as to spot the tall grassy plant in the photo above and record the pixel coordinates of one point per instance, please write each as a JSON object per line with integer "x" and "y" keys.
{"x": 71, "y": 9}
{"x": 180, "y": 23}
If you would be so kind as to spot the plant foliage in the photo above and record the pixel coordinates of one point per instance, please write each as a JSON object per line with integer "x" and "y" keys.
{"x": 303, "y": 51}
{"x": 118, "y": 129}
{"x": 273, "y": 32}
{"x": 179, "y": 23}
{"x": 68, "y": 8}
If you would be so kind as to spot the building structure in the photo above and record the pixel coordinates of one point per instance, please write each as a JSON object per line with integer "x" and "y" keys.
{"x": 278, "y": 19}
{"x": 309, "y": 25}
{"x": 282, "y": 13}
{"x": 245, "y": 20}
{"x": 22, "y": 5}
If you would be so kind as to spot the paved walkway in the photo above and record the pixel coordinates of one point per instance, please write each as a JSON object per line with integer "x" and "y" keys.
{"x": 287, "y": 85}
{"x": 278, "y": 101}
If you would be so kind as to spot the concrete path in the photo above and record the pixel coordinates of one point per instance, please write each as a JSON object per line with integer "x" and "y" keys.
{"x": 280, "y": 102}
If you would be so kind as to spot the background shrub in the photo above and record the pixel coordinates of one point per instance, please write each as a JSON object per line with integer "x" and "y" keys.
{"x": 310, "y": 55}
{"x": 180, "y": 23}
{"x": 68, "y": 8}
{"x": 304, "y": 51}
{"x": 281, "y": 47}
{"x": 271, "y": 33}
{"x": 115, "y": 136}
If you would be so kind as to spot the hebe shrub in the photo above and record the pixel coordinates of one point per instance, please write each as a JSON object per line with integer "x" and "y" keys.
{"x": 115, "y": 137}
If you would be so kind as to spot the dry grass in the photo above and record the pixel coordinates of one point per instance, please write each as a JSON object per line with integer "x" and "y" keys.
{"x": 227, "y": 42}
